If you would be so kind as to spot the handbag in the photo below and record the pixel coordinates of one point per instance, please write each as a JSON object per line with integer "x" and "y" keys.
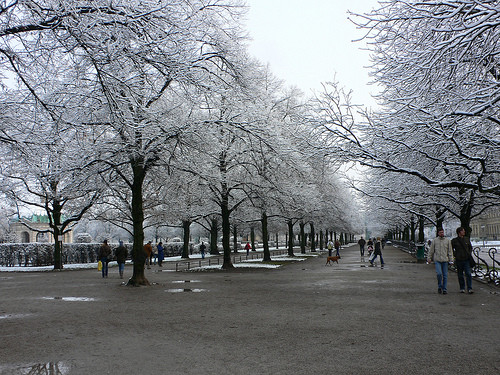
{"x": 99, "y": 266}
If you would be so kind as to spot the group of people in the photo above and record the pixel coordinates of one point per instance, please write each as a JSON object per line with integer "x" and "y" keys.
{"x": 331, "y": 245}
{"x": 121, "y": 253}
{"x": 444, "y": 251}
{"x": 105, "y": 256}
{"x": 374, "y": 247}
{"x": 151, "y": 255}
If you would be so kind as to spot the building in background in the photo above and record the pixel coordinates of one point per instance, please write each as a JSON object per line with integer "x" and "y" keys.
{"x": 34, "y": 229}
{"x": 487, "y": 226}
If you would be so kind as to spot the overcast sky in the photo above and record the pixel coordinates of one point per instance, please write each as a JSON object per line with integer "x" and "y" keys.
{"x": 309, "y": 42}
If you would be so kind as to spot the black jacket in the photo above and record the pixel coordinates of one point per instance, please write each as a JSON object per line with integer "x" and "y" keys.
{"x": 462, "y": 248}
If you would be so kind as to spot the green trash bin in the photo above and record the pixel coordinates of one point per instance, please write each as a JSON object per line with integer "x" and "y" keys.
{"x": 420, "y": 252}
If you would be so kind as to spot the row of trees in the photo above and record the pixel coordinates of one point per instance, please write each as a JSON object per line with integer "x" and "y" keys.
{"x": 432, "y": 149}
{"x": 150, "y": 112}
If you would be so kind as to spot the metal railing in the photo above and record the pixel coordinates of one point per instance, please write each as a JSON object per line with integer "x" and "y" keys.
{"x": 188, "y": 264}
{"x": 486, "y": 269}
{"x": 487, "y": 266}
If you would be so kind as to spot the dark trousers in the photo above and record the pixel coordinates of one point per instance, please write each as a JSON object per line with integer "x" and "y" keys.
{"x": 463, "y": 266}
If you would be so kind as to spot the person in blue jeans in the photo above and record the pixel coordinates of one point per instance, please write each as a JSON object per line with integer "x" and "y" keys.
{"x": 441, "y": 252}
{"x": 105, "y": 257}
{"x": 378, "y": 251}
{"x": 462, "y": 249}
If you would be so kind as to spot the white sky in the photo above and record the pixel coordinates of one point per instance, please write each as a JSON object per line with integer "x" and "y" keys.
{"x": 307, "y": 42}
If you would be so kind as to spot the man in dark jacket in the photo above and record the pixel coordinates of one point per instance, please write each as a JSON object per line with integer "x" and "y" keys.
{"x": 462, "y": 250}
{"x": 105, "y": 257}
{"x": 121, "y": 254}
{"x": 362, "y": 244}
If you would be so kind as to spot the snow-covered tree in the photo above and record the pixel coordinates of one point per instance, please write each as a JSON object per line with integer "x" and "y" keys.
{"x": 129, "y": 61}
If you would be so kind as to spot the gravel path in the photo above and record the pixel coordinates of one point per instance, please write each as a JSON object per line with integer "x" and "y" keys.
{"x": 304, "y": 318}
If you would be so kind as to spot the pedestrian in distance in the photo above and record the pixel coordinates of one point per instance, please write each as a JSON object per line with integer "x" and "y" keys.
{"x": 121, "y": 256}
{"x": 377, "y": 252}
{"x": 362, "y": 244}
{"x": 462, "y": 250}
{"x": 104, "y": 257}
{"x": 148, "y": 250}
{"x": 442, "y": 253}
{"x": 203, "y": 249}
{"x": 337, "y": 247}
{"x": 161, "y": 253}
{"x": 247, "y": 248}
{"x": 370, "y": 245}
{"x": 330, "y": 248}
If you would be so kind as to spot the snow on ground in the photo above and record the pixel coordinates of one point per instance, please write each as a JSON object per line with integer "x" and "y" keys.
{"x": 249, "y": 263}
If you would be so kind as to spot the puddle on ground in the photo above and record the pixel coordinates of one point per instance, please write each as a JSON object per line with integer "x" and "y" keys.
{"x": 14, "y": 316}
{"x": 52, "y": 368}
{"x": 185, "y": 290}
{"x": 185, "y": 281}
{"x": 72, "y": 299}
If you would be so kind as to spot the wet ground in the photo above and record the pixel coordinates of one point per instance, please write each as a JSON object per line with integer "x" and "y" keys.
{"x": 304, "y": 318}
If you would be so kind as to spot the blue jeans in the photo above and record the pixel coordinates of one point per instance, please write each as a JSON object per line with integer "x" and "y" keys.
{"x": 464, "y": 266}
{"x": 104, "y": 261}
{"x": 375, "y": 257}
{"x": 442, "y": 274}
{"x": 362, "y": 250}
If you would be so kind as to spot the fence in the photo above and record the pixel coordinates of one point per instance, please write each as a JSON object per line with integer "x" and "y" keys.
{"x": 42, "y": 254}
{"x": 184, "y": 265}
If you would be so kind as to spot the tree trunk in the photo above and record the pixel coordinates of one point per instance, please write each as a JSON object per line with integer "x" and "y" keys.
{"x": 235, "y": 238}
{"x": 56, "y": 220}
{"x": 440, "y": 215}
{"x": 265, "y": 238}
{"x": 290, "y": 238}
{"x": 467, "y": 199}
{"x": 138, "y": 254}
{"x": 186, "y": 224}
{"x": 226, "y": 233}
{"x": 412, "y": 228}
{"x": 252, "y": 238}
{"x": 421, "y": 235}
{"x": 321, "y": 242}
{"x": 302, "y": 238}
{"x": 313, "y": 237}
{"x": 214, "y": 225}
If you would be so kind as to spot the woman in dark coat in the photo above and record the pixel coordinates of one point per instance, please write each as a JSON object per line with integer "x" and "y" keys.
{"x": 161, "y": 253}
{"x": 121, "y": 256}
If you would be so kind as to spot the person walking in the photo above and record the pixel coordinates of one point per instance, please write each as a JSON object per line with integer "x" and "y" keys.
{"x": 104, "y": 257}
{"x": 462, "y": 249}
{"x": 121, "y": 256}
{"x": 161, "y": 253}
{"x": 330, "y": 248}
{"x": 248, "y": 247}
{"x": 148, "y": 249}
{"x": 377, "y": 252}
{"x": 203, "y": 248}
{"x": 337, "y": 247}
{"x": 362, "y": 244}
{"x": 442, "y": 253}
